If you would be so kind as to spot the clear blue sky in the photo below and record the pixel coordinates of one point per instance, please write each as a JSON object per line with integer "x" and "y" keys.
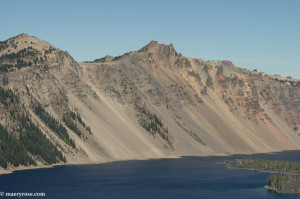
{"x": 253, "y": 34}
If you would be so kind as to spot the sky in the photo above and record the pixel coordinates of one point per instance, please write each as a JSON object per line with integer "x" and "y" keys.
{"x": 253, "y": 34}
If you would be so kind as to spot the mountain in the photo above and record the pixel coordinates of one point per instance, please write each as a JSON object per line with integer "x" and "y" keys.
{"x": 150, "y": 103}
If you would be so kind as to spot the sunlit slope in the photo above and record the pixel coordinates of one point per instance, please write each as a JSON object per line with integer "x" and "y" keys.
{"x": 147, "y": 104}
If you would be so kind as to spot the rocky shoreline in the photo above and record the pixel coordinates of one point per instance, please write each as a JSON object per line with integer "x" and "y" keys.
{"x": 285, "y": 174}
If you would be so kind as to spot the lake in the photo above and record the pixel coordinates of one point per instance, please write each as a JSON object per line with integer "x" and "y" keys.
{"x": 187, "y": 177}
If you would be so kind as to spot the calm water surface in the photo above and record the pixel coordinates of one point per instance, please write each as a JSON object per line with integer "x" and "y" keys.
{"x": 188, "y": 177}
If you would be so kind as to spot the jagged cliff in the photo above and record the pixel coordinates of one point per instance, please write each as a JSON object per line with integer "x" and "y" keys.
{"x": 145, "y": 104}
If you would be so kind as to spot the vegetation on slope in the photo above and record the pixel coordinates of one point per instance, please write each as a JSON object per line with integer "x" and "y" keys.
{"x": 79, "y": 119}
{"x": 192, "y": 134}
{"x": 37, "y": 143}
{"x": 70, "y": 119}
{"x": 152, "y": 123}
{"x": 24, "y": 142}
{"x": 100, "y": 60}
{"x": 121, "y": 56}
{"x": 13, "y": 151}
{"x": 53, "y": 124}
{"x": 3, "y": 45}
{"x": 8, "y": 98}
{"x": 8, "y": 62}
{"x": 292, "y": 82}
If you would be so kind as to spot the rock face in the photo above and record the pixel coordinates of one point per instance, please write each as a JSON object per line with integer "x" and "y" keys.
{"x": 146, "y": 104}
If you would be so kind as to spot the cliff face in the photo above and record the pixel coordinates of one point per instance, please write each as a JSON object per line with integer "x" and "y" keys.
{"x": 145, "y": 104}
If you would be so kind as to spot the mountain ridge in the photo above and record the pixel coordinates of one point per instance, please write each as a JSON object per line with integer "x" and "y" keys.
{"x": 149, "y": 103}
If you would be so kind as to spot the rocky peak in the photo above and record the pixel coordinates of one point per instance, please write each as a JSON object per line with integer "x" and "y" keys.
{"x": 154, "y": 45}
{"x": 159, "y": 51}
{"x": 23, "y": 35}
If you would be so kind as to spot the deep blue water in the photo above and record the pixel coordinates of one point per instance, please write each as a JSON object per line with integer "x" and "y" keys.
{"x": 188, "y": 177}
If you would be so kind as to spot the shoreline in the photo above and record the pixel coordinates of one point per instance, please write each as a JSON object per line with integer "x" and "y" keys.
{"x": 287, "y": 186}
{"x": 260, "y": 171}
{"x": 21, "y": 168}
{"x": 280, "y": 192}
{"x": 270, "y": 188}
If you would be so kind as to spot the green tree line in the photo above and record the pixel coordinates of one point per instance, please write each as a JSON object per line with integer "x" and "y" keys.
{"x": 53, "y": 124}
{"x": 24, "y": 140}
{"x": 152, "y": 123}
